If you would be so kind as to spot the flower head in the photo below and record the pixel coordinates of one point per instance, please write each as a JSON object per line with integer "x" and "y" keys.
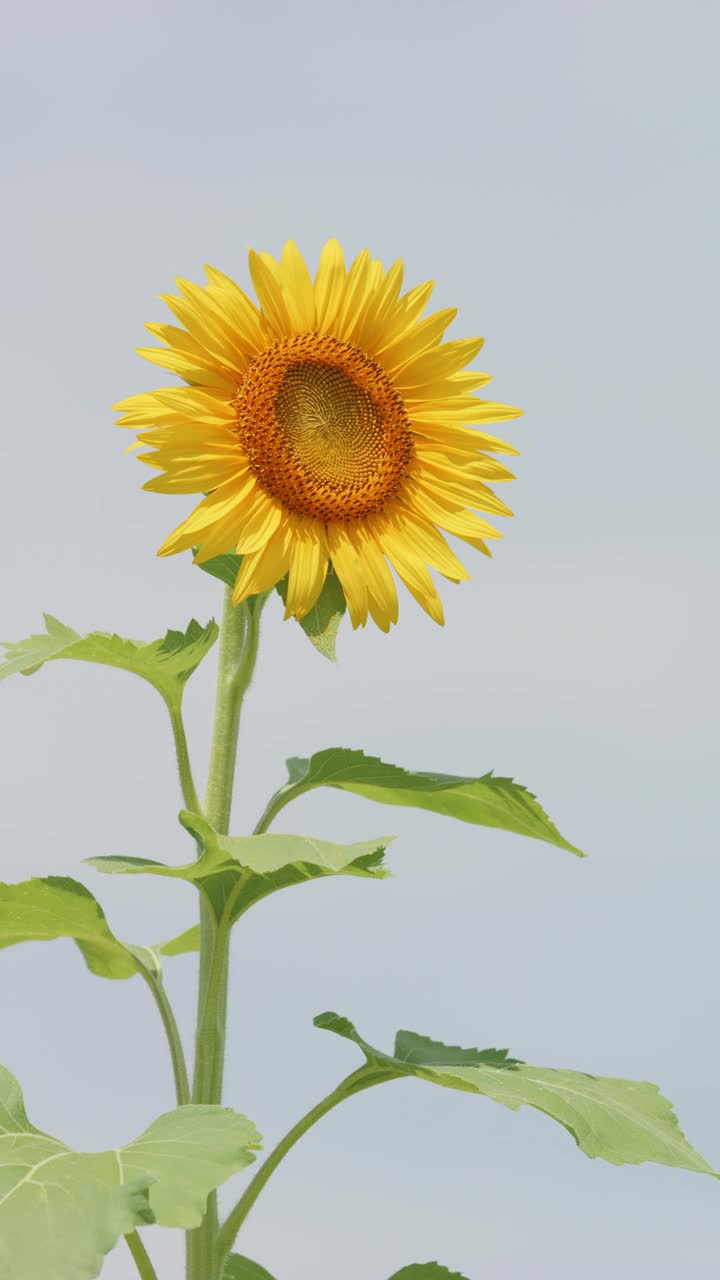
{"x": 326, "y": 426}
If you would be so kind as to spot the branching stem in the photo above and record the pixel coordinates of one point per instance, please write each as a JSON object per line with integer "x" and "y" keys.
{"x": 364, "y": 1078}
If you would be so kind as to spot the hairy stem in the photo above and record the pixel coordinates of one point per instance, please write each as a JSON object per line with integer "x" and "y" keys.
{"x": 239, "y": 637}
{"x": 177, "y": 1053}
{"x": 187, "y": 784}
{"x": 140, "y": 1256}
{"x": 364, "y": 1078}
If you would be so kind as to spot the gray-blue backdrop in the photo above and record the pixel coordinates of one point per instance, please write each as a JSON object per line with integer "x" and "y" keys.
{"x": 552, "y": 166}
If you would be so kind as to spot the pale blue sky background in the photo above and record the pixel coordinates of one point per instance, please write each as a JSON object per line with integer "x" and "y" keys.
{"x": 553, "y": 167}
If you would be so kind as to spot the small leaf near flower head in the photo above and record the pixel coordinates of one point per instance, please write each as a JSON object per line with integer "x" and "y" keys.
{"x": 322, "y": 623}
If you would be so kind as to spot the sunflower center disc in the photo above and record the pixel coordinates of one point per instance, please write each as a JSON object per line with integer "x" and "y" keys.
{"x": 325, "y": 431}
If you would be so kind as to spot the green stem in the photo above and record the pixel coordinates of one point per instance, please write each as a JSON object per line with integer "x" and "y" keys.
{"x": 177, "y": 1054}
{"x": 364, "y": 1078}
{"x": 189, "y": 791}
{"x": 239, "y": 637}
{"x": 140, "y": 1255}
{"x": 276, "y": 803}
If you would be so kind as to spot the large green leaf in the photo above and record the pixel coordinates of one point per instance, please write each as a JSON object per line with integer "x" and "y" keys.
{"x": 61, "y": 1211}
{"x": 622, "y": 1121}
{"x": 166, "y": 663}
{"x": 322, "y": 623}
{"x": 248, "y": 868}
{"x": 426, "y": 1271}
{"x": 238, "y": 1268}
{"x": 487, "y": 801}
{"x": 42, "y": 910}
{"x": 58, "y": 907}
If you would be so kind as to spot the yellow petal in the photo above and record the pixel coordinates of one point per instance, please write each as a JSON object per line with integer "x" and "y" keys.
{"x": 414, "y": 303}
{"x": 298, "y": 288}
{"x": 270, "y": 296}
{"x": 414, "y": 574}
{"x": 423, "y": 336}
{"x": 451, "y": 517}
{"x": 192, "y": 404}
{"x": 472, "y": 411}
{"x": 197, "y": 311}
{"x": 439, "y": 363}
{"x": 329, "y": 285}
{"x": 375, "y": 327}
{"x": 308, "y": 567}
{"x": 189, "y": 368}
{"x": 261, "y": 570}
{"x": 220, "y": 538}
{"x": 407, "y": 534}
{"x": 261, "y": 516}
{"x": 354, "y": 295}
{"x": 197, "y": 479}
{"x": 463, "y": 438}
{"x": 469, "y": 493}
{"x": 348, "y": 569}
{"x": 228, "y": 498}
{"x": 448, "y": 468}
{"x": 382, "y": 596}
{"x": 242, "y": 311}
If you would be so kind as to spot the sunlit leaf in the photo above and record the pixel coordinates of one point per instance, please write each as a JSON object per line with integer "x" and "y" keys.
{"x": 61, "y": 1211}
{"x": 58, "y": 907}
{"x": 166, "y": 663}
{"x": 248, "y": 868}
{"x": 621, "y": 1121}
{"x": 486, "y": 801}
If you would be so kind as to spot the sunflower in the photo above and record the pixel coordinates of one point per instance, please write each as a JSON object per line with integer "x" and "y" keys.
{"x": 328, "y": 428}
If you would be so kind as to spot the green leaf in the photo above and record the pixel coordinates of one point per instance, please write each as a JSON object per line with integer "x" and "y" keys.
{"x": 322, "y": 623}
{"x": 225, "y": 567}
{"x": 58, "y": 907}
{"x": 427, "y": 1271}
{"x": 65, "y": 1210}
{"x": 487, "y": 801}
{"x": 183, "y": 944}
{"x": 248, "y": 868}
{"x": 166, "y": 664}
{"x": 237, "y": 1268}
{"x": 621, "y": 1121}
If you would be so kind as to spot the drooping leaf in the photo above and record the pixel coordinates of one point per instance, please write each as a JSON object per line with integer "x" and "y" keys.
{"x": 166, "y": 663}
{"x": 248, "y": 868}
{"x": 427, "y": 1271}
{"x": 61, "y": 1211}
{"x": 41, "y": 910}
{"x": 487, "y": 801}
{"x": 238, "y": 1268}
{"x": 322, "y": 623}
{"x": 621, "y": 1121}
